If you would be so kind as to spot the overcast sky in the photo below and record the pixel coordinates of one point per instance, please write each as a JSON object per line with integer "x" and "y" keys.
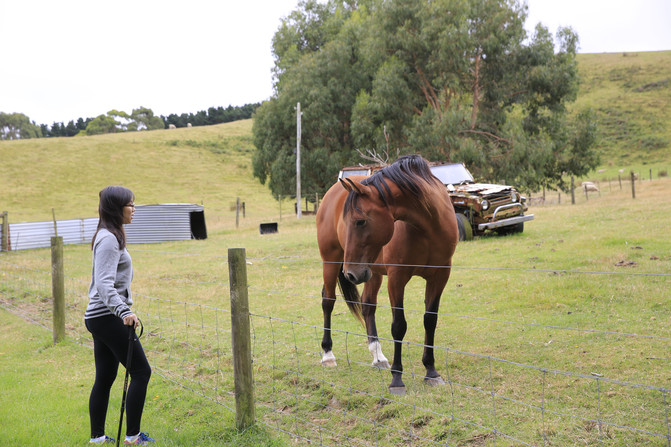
{"x": 62, "y": 60}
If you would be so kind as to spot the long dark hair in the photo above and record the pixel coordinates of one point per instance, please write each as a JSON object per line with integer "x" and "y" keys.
{"x": 113, "y": 199}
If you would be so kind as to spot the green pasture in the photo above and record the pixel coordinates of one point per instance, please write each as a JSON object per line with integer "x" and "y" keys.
{"x": 45, "y": 391}
{"x": 509, "y": 298}
{"x": 584, "y": 291}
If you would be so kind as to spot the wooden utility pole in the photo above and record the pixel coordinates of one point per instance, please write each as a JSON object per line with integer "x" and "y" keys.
{"x": 298, "y": 160}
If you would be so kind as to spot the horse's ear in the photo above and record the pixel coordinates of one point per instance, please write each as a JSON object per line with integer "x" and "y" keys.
{"x": 351, "y": 185}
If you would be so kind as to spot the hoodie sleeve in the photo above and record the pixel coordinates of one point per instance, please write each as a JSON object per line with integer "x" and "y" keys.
{"x": 106, "y": 261}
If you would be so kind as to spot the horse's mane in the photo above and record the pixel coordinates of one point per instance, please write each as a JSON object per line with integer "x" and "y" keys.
{"x": 410, "y": 173}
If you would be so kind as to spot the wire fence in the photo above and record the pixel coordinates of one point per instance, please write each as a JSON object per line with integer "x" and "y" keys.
{"x": 508, "y": 381}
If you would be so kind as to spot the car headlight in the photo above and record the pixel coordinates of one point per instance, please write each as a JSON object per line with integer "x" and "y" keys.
{"x": 513, "y": 196}
{"x": 485, "y": 205}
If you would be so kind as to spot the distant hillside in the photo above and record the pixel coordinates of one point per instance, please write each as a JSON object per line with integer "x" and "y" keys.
{"x": 208, "y": 164}
{"x": 631, "y": 94}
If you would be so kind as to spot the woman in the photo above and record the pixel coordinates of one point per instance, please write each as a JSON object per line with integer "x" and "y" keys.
{"x": 108, "y": 316}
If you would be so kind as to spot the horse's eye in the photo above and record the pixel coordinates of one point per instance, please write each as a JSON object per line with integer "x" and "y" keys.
{"x": 359, "y": 223}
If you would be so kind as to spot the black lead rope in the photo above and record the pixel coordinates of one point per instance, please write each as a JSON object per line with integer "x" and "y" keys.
{"x": 129, "y": 357}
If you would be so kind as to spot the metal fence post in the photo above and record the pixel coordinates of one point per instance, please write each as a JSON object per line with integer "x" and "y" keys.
{"x": 58, "y": 288}
{"x": 240, "y": 333}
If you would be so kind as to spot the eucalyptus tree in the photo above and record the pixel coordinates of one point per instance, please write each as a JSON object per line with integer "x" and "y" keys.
{"x": 144, "y": 119}
{"x": 14, "y": 126}
{"x": 454, "y": 80}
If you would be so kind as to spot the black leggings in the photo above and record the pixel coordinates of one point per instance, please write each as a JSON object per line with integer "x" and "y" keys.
{"x": 110, "y": 346}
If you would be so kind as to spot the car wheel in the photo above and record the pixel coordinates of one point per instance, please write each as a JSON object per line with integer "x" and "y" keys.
{"x": 519, "y": 228}
{"x": 512, "y": 229}
{"x": 465, "y": 229}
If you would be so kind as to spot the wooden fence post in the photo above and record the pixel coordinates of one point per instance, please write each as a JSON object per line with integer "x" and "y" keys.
{"x": 572, "y": 191}
{"x": 5, "y": 232}
{"x": 237, "y": 212}
{"x": 633, "y": 185}
{"x": 240, "y": 334}
{"x": 58, "y": 288}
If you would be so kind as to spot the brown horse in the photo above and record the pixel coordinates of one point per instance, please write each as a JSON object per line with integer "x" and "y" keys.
{"x": 398, "y": 222}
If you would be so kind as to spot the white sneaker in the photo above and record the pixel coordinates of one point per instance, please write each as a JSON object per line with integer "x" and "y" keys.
{"x": 102, "y": 440}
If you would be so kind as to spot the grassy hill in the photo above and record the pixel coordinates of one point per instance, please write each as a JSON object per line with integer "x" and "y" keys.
{"x": 209, "y": 165}
{"x": 631, "y": 94}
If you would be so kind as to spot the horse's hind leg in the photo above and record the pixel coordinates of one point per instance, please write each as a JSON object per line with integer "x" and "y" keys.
{"x": 328, "y": 301}
{"x": 369, "y": 306}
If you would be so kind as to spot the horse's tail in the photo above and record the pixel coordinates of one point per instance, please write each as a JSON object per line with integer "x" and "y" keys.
{"x": 352, "y": 297}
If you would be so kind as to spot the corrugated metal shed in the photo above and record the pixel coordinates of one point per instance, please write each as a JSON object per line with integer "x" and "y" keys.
{"x": 151, "y": 223}
{"x": 166, "y": 222}
{"x": 26, "y": 235}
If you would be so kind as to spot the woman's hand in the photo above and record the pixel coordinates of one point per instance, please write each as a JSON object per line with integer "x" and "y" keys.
{"x": 131, "y": 320}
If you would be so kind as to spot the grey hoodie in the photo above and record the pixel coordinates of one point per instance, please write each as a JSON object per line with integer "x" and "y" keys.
{"x": 112, "y": 273}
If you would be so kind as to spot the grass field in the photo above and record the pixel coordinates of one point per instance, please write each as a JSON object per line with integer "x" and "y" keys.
{"x": 45, "y": 398}
{"x": 584, "y": 291}
{"x": 509, "y": 298}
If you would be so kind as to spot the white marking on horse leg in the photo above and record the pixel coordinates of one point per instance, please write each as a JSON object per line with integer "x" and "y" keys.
{"x": 379, "y": 360}
{"x": 328, "y": 359}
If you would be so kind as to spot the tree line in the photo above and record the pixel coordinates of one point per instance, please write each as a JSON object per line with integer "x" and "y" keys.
{"x": 15, "y": 126}
{"x": 453, "y": 80}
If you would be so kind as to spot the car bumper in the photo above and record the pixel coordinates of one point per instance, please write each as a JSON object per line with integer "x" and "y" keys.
{"x": 505, "y": 222}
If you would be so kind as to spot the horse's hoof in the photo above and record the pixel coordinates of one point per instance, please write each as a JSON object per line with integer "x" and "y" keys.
{"x": 381, "y": 365}
{"x": 434, "y": 381}
{"x": 328, "y": 359}
{"x": 397, "y": 390}
{"x": 330, "y": 363}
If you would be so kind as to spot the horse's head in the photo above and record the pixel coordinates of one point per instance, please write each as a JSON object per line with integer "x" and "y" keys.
{"x": 369, "y": 226}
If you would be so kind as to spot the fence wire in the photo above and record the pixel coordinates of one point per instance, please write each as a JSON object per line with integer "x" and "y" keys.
{"x": 488, "y": 399}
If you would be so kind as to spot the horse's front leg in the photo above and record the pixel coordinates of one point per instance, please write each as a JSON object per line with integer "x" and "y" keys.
{"x": 399, "y": 327}
{"x": 331, "y": 271}
{"x": 434, "y": 289}
{"x": 369, "y": 306}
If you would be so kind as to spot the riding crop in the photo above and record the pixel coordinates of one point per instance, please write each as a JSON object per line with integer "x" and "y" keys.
{"x": 129, "y": 357}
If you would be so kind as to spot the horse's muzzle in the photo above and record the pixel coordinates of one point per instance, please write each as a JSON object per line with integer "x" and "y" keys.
{"x": 359, "y": 277}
